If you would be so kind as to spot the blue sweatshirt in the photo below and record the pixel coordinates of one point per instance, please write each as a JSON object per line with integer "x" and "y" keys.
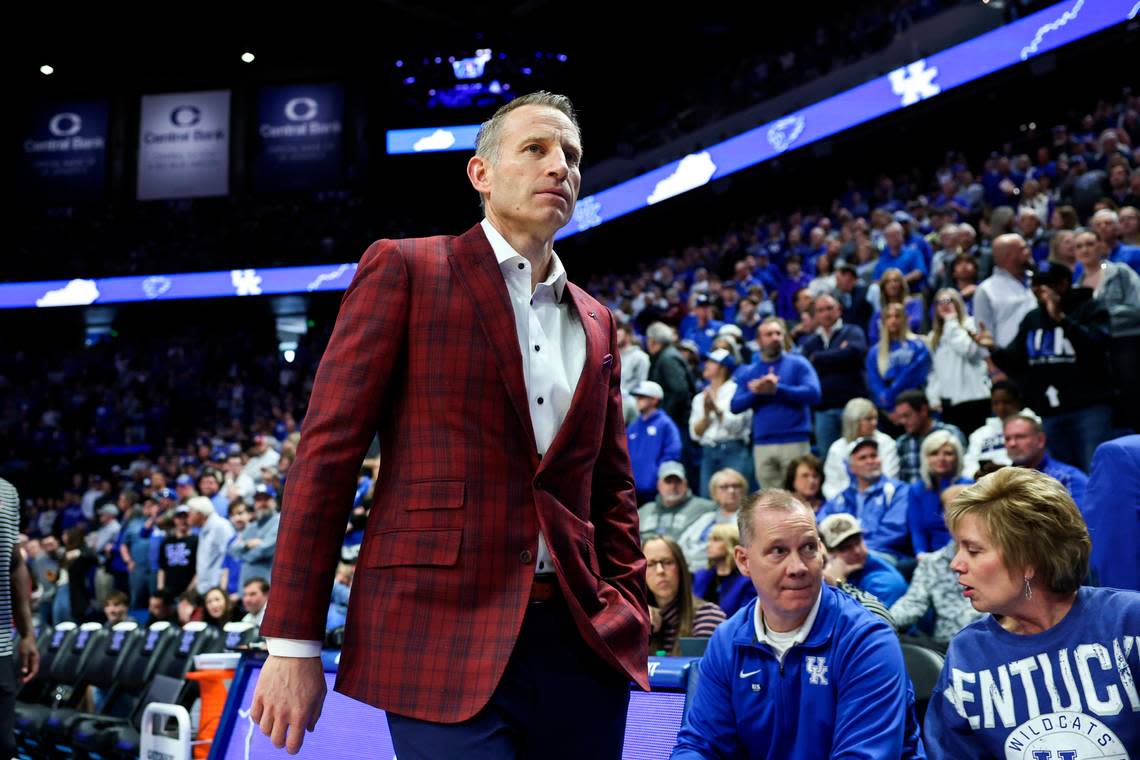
{"x": 1070, "y": 477}
{"x": 879, "y": 578}
{"x": 783, "y": 416}
{"x": 928, "y": 531}
{"x": 842, "y": 693}
{"x": 908, "y": 364}
{"x": 1064, "y": 694}
{"x": 839, "y": 365}
{"x": 1112, "y": 510}
{"x": 652, "y": 440}
{"x": 882, "y": 511}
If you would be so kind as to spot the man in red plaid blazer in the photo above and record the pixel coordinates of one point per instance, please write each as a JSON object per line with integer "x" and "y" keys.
{"x": 498, "y": 607}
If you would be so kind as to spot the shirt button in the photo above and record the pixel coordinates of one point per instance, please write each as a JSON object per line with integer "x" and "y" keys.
{"x": 538, "y": 348}
{"x": 540, "y": 399}
{"x": 525, "y": 556}
{"x": 522, "y": 266}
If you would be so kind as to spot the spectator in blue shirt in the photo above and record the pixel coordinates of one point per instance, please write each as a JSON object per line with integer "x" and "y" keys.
{"x": 900, "y": 363}
{"x": 653, "y": 439}
{"x": 795, "y": 280}
{"x": 1025, "y": 444}
{"x": 879, "y": 502}
{"x": 848, "y": 559}
{"x": 941, "y": 469}
{"x": 907, "y": 259}
{"x": 1106, "y": 222}
{"x": 703, "y": 330}
{"x": 780, "y": 388}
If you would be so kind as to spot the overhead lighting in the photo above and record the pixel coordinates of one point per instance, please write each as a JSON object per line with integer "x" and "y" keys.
{"x": 46, "y": 70}
{"x": 247, "y": 57}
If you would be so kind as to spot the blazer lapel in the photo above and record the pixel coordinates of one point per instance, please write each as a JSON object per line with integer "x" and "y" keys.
{"x": 474, "y": 264}
{"x": 588, "y": 381}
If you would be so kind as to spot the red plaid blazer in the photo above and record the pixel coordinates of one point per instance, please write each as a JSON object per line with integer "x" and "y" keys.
{"x": 426, "y": 353}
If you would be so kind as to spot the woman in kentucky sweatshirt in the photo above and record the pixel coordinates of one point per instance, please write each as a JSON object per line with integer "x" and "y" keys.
{"x": 900, "y": 363}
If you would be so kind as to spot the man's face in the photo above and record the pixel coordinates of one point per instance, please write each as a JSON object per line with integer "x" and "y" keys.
{"x": 645, "y": 404}
{"x": 157, "y": 609}
{"x": 1105, "y": 227}
{"x": 234, "y": 465}
{"x": 784, "y": 561}
{"x": 253, "y": 598}
{"x": 115, "y": 612}
{"x": 728, "y": 493}
{"x": 894, "y": 237}
{"x": 534, "y": 183}
{"x": 866, "y": 465}
{"x": 197, "y": 519}
{"x": 623, "y": 337}
{"x": 1023, "y": 443}
{"x": 1129, "y": 222}
{"x": 672, "y": 489}
{"x": 239, "y": 518}
{"x": 264, "y": 505}
{"x": 913, "y": 420}
{"x": 803, "y": 301}
{"x": 1028, "y": 224}
{"x": 209, "y": 485}
{"x": 50, "y": 544}
{"x": 845, "y": 280}
{"x": 853, "y": 551}
{"x": 771, "y": 337}
{"x": 1003, "y": 403}
{"x": 826, "y": 312}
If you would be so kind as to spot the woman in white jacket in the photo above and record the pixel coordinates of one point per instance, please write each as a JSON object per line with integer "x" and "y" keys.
{"x": 860, "y": 420}
{"x": 959, "y": 381}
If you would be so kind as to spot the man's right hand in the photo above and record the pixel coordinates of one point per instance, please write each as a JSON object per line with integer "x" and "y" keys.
{"x": 289, "y": 696}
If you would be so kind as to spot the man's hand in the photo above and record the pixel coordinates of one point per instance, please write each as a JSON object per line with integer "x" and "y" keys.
{"x": 764, "y": 385}
{"x": 289, "y": 697}
{"x": 710, "y": 402}
{"x": 983, "y": 337}
{"x": 1051, "y": 300}
{"x": 253, "y": 543}
{"x": 29, "y": 657}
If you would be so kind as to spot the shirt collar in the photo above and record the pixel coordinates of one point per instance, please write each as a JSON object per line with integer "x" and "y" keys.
{"x": 504, "y": 254}
{"x": 834, "y": 329}
{"x": 801, "y": 632}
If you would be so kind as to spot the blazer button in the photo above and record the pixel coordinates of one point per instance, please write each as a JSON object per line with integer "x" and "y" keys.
{"x": 525, "y": 556}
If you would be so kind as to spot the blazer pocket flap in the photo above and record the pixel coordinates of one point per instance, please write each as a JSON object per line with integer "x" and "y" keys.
{"x": 434, "y": 494}
{"x": 607, "y": 361}
{"x": 411, "y": 548}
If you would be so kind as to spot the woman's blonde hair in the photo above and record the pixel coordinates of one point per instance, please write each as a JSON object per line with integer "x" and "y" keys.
{"x": 959, "y": 307}
{"x": 884, "y": 335}
{"x": 933, "y": 443}
{"x": 1033, "y": 521}
{"x": 904, "y": 292}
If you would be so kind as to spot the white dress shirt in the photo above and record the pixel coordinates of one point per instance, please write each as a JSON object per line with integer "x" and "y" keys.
{"x": 553, "y": 346}
{"x": 1001, "y": 302}
{"x": 728, "y": 426}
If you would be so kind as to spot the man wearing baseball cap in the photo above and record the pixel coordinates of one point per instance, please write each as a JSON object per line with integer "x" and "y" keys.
{"x": 849, "y": 560}
{"x": 653, "y": 439}
{"x": 255, "y": 545}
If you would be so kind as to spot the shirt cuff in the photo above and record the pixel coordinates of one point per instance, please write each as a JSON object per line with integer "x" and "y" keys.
{"x": 292, "y": 647}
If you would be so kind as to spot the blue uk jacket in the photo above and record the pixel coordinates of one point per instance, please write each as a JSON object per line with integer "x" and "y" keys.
{"x": 843, "y": 693}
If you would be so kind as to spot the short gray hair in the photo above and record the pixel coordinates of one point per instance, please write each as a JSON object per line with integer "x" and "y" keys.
{"x": 489, "y": 141}
{"x": 769, "y": 498}
{"x": 855, "y": 410}
{"x": 201, "y": 505}
{"x": 659, "y": 332}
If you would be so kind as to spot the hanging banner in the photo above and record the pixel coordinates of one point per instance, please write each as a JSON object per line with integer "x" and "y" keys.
{"x": 184, "y": 145}
{"x": 299, "y": 138}
{"x": 65, "y": 151}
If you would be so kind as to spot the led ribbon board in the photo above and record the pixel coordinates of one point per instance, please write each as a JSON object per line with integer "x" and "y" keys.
{"x": 925, "y": 78}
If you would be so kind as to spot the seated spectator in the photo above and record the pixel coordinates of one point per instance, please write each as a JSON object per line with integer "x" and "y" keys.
{"x": 161, "y": 607}
{"x": 849, "y": 560}
{"x": 675, "y": 507}
{"x": 1106, "y": 222}
{"x": 880, "y": 503}
{"x": 892, "y": 288}
{"x": 728, "y": 488}
{"x": 901, "y": 362}
{"x": 722, "y": 434}
{"x": 805, "y": 480}
{"x": 674, "y": 611}
{"x": 780, "y": 388}
{"x": 190, "y": 607}
{"x": 653, "y": 438}
{"x": 934, "y": 587}
{"x": 912, "y": 411}
{"x": 1025, "y": 442}
{"x": 859, "y": 421}
{"x": 219, "y": 610}
{"x": 254, "y": 595}
{"x": 941, "y": 457}
{"x": 763, "y": 691}
{"x": 338, "y": 602}
{"x": 721, "y": 582}
{"x": 1060, "y": 360}
{"x": 988, "y": 441}
{"x": 959, "y": 384}
{"x": 116, "y": 608}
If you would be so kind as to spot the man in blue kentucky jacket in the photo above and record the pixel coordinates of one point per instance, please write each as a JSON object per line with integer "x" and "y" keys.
{"x": 803, "y": 671}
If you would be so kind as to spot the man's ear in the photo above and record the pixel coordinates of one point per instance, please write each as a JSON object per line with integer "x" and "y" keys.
{"x": 478, "y": 170}
{"x": 740, "y": 554}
